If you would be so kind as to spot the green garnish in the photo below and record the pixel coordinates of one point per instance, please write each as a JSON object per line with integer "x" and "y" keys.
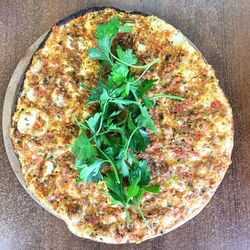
{"x": 119, "y": 128}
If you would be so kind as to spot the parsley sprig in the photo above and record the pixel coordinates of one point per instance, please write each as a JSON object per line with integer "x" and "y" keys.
{"x": 107, "y": 145}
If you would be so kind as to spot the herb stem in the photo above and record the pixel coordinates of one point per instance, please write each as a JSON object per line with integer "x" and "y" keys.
{"x": 111, "y": 163}
{"x": 127, "y": 216}
{"x": 80, "y": 124}
{"x": 137, "y": 205}
{"x": 135, "y": 66}
{"x": 167, "y": 96}
{"x": 143, "y": 73}
{"x": 137, "y": 100}
{"x": 125, "y": 101}
{"x": 129, "y": 140}
{"x": 102, "y": 133}
{"x": 102, "y": 118}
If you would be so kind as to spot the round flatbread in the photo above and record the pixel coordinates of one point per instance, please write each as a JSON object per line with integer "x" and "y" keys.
{"x": 188, "y": 156}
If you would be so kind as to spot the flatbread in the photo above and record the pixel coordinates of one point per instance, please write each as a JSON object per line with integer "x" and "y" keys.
{"x": 188, "y": 157}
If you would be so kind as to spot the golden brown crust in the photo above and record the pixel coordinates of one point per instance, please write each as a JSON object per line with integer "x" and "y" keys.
{"x": 188, "y": 157}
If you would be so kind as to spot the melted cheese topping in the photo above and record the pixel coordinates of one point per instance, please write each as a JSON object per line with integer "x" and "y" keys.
{"x": 188, "y": 157}
{"x": 33, "y": 122}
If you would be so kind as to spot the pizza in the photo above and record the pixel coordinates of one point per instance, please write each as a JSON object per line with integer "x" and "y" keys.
{"x": 188, "y": 157}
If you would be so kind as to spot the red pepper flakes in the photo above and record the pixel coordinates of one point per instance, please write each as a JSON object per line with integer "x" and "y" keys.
{"x": 44, "y": 68}
{"x": 63, "y": 47}
{"x": 36, "y": 125}
{"x": 179, "y": 151}
{"x": 176, "y": 80}
{"x": 55, "y": 28}
{"x": 216, "y": 104}
{"x": 41, "y": 92}
{"x": 180, "y": 108}
{"x": 196, "y": 154}
{"x": 204, "y": 72}
{"x": 18, "y": 134}
{"x": 176, "y": 213}
{"x": 203, "y": 132}
{"x": 187, "y": 175}
{"x": 171, "y": 67}
{"x": 90, "y": 218}
{"x": 197, "y": 137}
{"x": 58, "y": 196}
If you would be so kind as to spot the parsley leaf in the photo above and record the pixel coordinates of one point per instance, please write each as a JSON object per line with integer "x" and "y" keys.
{"x": 133, "y": 188}
{"x": 116, "y": 190}
{"x": 119, "y": 72}
{"x": 115, "y": 113}
{"x": 145, "y": 120}
{"x": 82, "y": 148}
{"x": 123, "y": 167}
{"x": 145, "y": 86}
{"x": 126, "y": 56}
{"x": 93, "y": 121}
{"x": 111, "y": 28}
{"x": 155, "y": 189}
{"x": 141, "y": 171}
{"x": 108, "y": 29}
{"x": 96, "y": 93}
{"x": 97, "y": 54}
{"x": 91, "y": 173}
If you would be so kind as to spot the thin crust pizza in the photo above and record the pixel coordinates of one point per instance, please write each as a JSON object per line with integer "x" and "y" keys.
{"x": 188, "y": 157}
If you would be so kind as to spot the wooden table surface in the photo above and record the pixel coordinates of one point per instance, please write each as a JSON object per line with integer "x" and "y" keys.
{"x": 221, "y": 30}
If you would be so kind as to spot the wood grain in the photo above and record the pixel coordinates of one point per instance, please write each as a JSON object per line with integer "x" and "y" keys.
{"x": 221, "y": 30}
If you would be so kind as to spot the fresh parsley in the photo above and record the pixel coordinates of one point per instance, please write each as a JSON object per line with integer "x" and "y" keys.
{"x": 119, "y": 129}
